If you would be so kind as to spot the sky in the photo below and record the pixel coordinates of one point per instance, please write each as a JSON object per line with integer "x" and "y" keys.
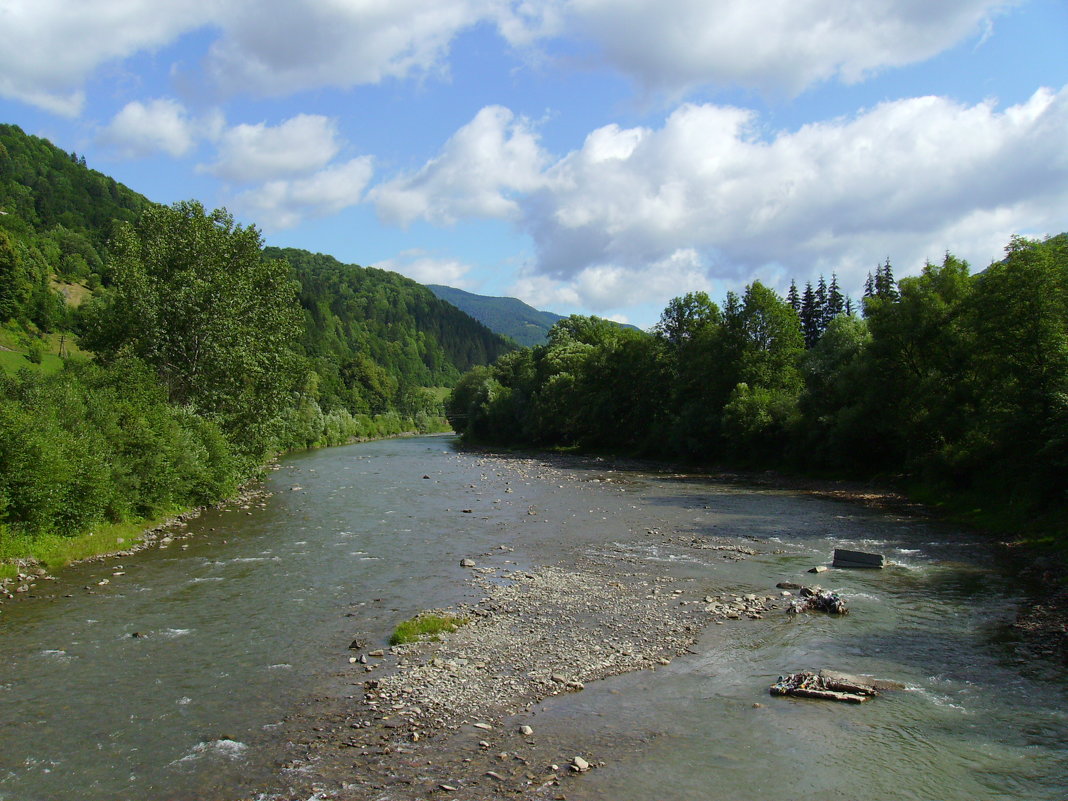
{"x": 586, "y": 156}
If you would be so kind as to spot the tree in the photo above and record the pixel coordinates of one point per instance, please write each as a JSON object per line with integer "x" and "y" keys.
{"x": 15, "y": 286}
{"x": 194, "y": 299}
{"x": 684, "y": 318}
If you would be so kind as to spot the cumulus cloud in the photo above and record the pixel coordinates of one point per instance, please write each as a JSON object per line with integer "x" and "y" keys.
{"x": 905, "y": 175}
{"x": 777, "y": 46}
{"x": 260, "y": 152}
{"x": 284, "y": 203}
{"x": 49, "y": 47}
{"x": 293, "y": 46}
{"x": 425, "y": 268}
{"x": 276, "y": 48}
{"x": 643, "y": 210}
{"x": 606, "y": 287}
{"x": 481, "y": 170}
{"x": 160, "y": 125}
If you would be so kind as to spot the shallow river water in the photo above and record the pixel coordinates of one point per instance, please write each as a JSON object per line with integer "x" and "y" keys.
{"x": 241, "y": 622}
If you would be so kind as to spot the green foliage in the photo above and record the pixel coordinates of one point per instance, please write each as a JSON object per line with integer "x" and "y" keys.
{"x": 193, "y": 298}
{"x": 375, "y": 337}
{"x": 425, "y": 626}
{"x": 93, "y": 444}
{"x": 15, "y": 285}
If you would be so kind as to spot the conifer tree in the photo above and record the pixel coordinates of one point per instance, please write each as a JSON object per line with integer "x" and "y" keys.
{"x": 793, "y": 298}
{"x": 822, "y": 315}
{"x": 810, "y": 316}
{"x": 885, "y": 286}
{"x": 835, "y": 301}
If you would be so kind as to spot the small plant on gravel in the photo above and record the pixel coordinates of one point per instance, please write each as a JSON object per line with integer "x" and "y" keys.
{"x": 422, "y": 626}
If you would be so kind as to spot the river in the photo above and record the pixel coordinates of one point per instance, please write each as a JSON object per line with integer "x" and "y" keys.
{"x": 240, "y": 623}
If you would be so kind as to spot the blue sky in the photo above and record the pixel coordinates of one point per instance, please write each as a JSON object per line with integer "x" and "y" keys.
{"x": 592, "y": 156}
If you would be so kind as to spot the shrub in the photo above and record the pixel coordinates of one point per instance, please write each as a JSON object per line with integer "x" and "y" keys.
{"x": 425, "y": 626}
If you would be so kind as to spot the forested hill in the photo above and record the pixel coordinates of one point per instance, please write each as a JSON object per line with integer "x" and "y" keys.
{"x": 56, "y": 215}
{"x": 508, "y": 316}
{"x": 43, "y": 187}
{"x": 151, "y": 357}
{"x": 373, "y": 333}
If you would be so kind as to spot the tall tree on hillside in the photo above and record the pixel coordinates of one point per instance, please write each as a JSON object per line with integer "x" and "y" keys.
{"x": 836, "y": 303}
{"x": 14, "y": 284}
{"x": 810, "y": 316}
{"x": 194, "y": 299}
{"x": 1020, "y": 315}
{"x": 793, "y": 297}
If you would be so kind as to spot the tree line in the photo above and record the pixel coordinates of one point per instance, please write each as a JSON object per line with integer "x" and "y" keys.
{"x": 956, "y": 383}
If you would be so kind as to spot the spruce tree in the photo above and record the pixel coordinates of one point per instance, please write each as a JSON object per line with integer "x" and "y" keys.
{"x": 885, "y": 286}
{"x": 793, "y": 298}
{"x": 822, "y": 315}
{"x": 810, "y": 316}
{"x": 835, "y": 301}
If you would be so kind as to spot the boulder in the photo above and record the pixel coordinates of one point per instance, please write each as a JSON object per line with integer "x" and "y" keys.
{"x": 846, "y": 558}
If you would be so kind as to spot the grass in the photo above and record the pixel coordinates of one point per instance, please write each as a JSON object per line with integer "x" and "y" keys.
{"x": 12, "y": 362}
{"x": 54, "y": 552}
{"x": 15, "y": 342}
{"x": 74, "y": 293}
{"x": 425, "y": 626}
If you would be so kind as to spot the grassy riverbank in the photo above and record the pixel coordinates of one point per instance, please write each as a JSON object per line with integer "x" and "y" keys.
{"x": 53, "y": 551}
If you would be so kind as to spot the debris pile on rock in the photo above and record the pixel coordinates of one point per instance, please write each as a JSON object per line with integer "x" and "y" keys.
{"x": 830, "y": 685}
{"x": 817, "y": 599}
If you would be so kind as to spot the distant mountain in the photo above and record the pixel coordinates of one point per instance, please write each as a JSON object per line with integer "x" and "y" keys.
{"x": 508, "y": 316}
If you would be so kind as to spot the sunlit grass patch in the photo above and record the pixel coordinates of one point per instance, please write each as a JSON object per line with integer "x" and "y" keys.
{"x": 425, "y": 626}
{"x": 54, "y": 551}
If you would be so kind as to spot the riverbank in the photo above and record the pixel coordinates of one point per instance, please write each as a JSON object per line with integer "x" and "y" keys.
{"x": 25, "y": 561}
{"x": 1040, "y": 565}
{"x": 50, "y": 554}
{"x": 460, "y": 713}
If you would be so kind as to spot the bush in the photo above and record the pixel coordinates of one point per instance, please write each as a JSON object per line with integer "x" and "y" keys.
{"x": 425, "y": 625}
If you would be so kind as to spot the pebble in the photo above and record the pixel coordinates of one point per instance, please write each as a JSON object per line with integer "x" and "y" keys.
{"x": 579, "y": 765}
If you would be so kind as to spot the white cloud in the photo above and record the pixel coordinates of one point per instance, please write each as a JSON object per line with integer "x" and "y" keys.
{"x": 284, "y": 203}
{"x": 906, "y": 179}
{"x": 479, "y": 172}
{"x": 276, "y": 48}
{"x": 254, "y": 153}
{"x": 142, "y": 129}
{"x": 49, "y": 47}
{"x": 777, "y": 46}
{"x": 427, "y": 269}
{"x": 603, "y": 288}
{"x": 288, "y": 47}
{"x": 642, "y": 212}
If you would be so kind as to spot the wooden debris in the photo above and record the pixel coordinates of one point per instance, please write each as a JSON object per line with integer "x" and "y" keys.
{"x": 831, "y": 685}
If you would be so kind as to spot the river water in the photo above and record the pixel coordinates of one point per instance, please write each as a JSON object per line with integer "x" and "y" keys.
{"x": 240, "y": 623}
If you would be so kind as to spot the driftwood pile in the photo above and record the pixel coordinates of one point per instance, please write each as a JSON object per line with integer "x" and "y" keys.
{"x": 830, "y": 685}
{"x": 817, "y": 599}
